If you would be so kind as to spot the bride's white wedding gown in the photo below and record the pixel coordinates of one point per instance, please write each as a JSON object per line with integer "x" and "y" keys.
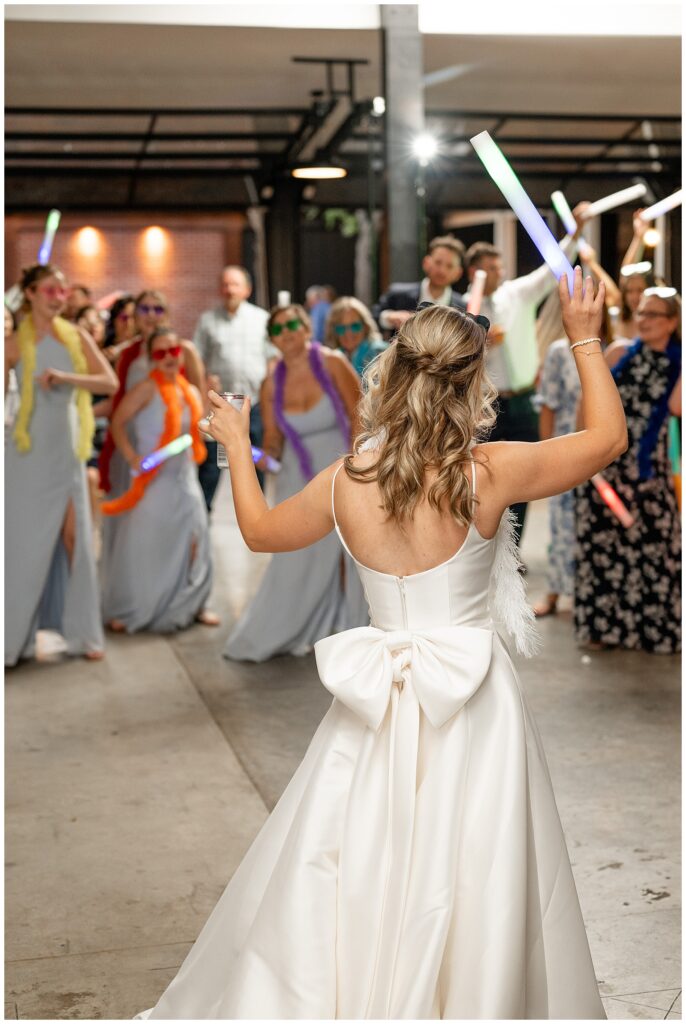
{"x": 415, "y": 866}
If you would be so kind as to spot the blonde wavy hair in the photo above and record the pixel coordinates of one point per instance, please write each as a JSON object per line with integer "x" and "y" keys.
{"x": 428, "y": 397}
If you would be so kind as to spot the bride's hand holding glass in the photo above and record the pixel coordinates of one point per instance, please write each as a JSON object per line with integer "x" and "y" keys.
{"x": 225, "y": 424}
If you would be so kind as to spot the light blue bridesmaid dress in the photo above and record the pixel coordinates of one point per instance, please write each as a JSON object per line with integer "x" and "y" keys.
{"x": 42, "y": 590}
{"x": 303, "y": 596}
{"x": 158, "y": 574}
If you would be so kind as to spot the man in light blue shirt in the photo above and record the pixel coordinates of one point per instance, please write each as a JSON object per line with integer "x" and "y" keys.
{"x": 232, "y": 342}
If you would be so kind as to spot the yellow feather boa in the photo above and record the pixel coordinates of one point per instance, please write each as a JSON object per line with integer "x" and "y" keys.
{"x": 69, "y": 336}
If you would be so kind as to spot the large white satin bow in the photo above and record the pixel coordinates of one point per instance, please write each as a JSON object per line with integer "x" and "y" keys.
{"x": 445, "y": 666}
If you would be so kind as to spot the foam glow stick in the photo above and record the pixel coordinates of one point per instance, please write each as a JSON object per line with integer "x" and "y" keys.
{"x": 663, "y": 206}
{"x": 156, "y": 458}
{"x": 612, "y": 500}
{"x": 273, "y": 465}
{"x": 625, "y": 195}
{"x": 675, "y": 456}
{"x": 476, "y": 292}
{"x": 644, "y": 267}
{"x": 564, "y": 212}
{"x": 51, "y": 225}
{"x": 510, "y": 186}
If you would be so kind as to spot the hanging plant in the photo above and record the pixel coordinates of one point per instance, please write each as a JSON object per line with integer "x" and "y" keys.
{"x": 343, "y": 220}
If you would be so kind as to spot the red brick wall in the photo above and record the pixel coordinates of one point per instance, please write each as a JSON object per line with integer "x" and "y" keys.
{"x": 194, "y": 248}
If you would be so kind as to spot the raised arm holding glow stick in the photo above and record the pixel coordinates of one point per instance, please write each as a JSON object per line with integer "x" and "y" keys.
{"x": 625, "y": 195}
{"x": 476, "y": 292}
{"x": 51, "y": 225}
{"x": 507, "y": 181}
{"x": 564, "y": 212}
{"x": 663, "y": 206}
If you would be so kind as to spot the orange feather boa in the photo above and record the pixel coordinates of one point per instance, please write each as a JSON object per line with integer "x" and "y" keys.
{"x": 169, "y": 393}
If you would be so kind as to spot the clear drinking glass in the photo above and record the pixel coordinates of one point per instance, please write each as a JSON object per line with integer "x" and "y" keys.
{"x": 237, "y": 402}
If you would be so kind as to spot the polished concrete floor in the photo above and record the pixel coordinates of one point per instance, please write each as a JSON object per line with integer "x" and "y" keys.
{"x": 134, "y": 786}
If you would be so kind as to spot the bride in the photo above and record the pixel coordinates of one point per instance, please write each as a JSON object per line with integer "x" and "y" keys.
{"x": 415, "y": 866}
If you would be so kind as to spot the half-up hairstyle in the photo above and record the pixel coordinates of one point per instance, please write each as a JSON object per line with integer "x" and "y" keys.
{"x": 427, "y": 400}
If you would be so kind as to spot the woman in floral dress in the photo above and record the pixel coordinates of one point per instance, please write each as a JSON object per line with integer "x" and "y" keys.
{"x": 627, "y": 591}
{"x": 559, "y": 392}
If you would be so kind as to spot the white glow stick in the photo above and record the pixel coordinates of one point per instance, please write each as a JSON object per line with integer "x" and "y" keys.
{"x": 476, "y": 292}
{"x": 636, "y": 268}
{"x": 509, "y": 184}
{"x": 625, "y": 195}
{"x": 564, "y": 212}
{"x": 660, "y": 293}
{"x": 664, "y": 206}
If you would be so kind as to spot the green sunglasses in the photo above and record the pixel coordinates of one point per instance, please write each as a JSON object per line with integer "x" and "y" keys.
{"x": 356, "y": 327}
{"x": 291, "y": 325}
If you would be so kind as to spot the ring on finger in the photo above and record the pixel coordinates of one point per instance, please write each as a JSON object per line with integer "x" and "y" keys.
{"x": 209, "y": 415}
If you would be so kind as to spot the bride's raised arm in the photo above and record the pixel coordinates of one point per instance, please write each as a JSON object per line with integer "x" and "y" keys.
{"x": 526, "y": 471}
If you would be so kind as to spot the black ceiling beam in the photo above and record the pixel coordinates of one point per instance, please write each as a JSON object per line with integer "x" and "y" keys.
{"x": 11, "y": 136}
{"x": 495, "y": 115}
{"x": 217, "y": 173}
{"x": 161, "y": 112}
{"x": 102, "y": 156}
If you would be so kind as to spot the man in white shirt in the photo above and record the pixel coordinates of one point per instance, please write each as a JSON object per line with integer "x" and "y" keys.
{"x": 233, "y": 344}
{"x": 512, "y": 355}
{"x": 442, "y": 266}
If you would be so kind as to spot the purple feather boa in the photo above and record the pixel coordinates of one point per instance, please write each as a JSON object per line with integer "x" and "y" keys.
{"x": 328, "y": 387}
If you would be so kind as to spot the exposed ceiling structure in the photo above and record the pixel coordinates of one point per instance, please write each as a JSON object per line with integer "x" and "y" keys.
{"x": 120, "y": 116}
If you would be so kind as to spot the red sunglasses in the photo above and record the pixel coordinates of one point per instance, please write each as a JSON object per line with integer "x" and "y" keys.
{"x": 161, "y": 353}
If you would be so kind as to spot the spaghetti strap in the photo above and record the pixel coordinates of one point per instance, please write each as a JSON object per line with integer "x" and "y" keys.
{"x": 333, "y": 504}
{"x": 473, "y": 476}
{"x": 335, "y": 521}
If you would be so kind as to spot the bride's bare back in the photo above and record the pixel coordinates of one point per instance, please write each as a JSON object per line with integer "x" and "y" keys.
{"x": 383, "y": 544}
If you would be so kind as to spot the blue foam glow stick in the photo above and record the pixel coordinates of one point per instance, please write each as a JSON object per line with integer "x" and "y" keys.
{"x": 273, "y": 465}
{"x": 161, "y": 455}
{"x": 51, "y": 225}
{"x": 509, "y": 184}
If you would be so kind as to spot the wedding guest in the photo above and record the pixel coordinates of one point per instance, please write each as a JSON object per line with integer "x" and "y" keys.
{"x": 121, "y": 326}
{"x": 350, "y": 328}
{"x": 49, "y": 561}
{"x": 159, "y": 574}
{"x": 442, "y": 268}
{"x": 232, "y": 341}
{"x": 628, "y": 580}
{"x": 308, "y": 408}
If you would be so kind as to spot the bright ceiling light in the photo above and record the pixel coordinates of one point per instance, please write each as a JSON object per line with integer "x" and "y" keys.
{"x": 424, "y": 147}
{"x": 88, "y": 241}
{"x": 652, "y": 238}
{"x": 155, "y": 240}
{"x": 319, "y": 171}
{"x": 378, "y": 106}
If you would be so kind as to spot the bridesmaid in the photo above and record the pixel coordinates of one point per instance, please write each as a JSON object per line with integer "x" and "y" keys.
{"x": 307, "y": 406}
{"x": 159, "y": 574}
{"x": 132, "y": 364}
{"x": 49, "y": 561}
